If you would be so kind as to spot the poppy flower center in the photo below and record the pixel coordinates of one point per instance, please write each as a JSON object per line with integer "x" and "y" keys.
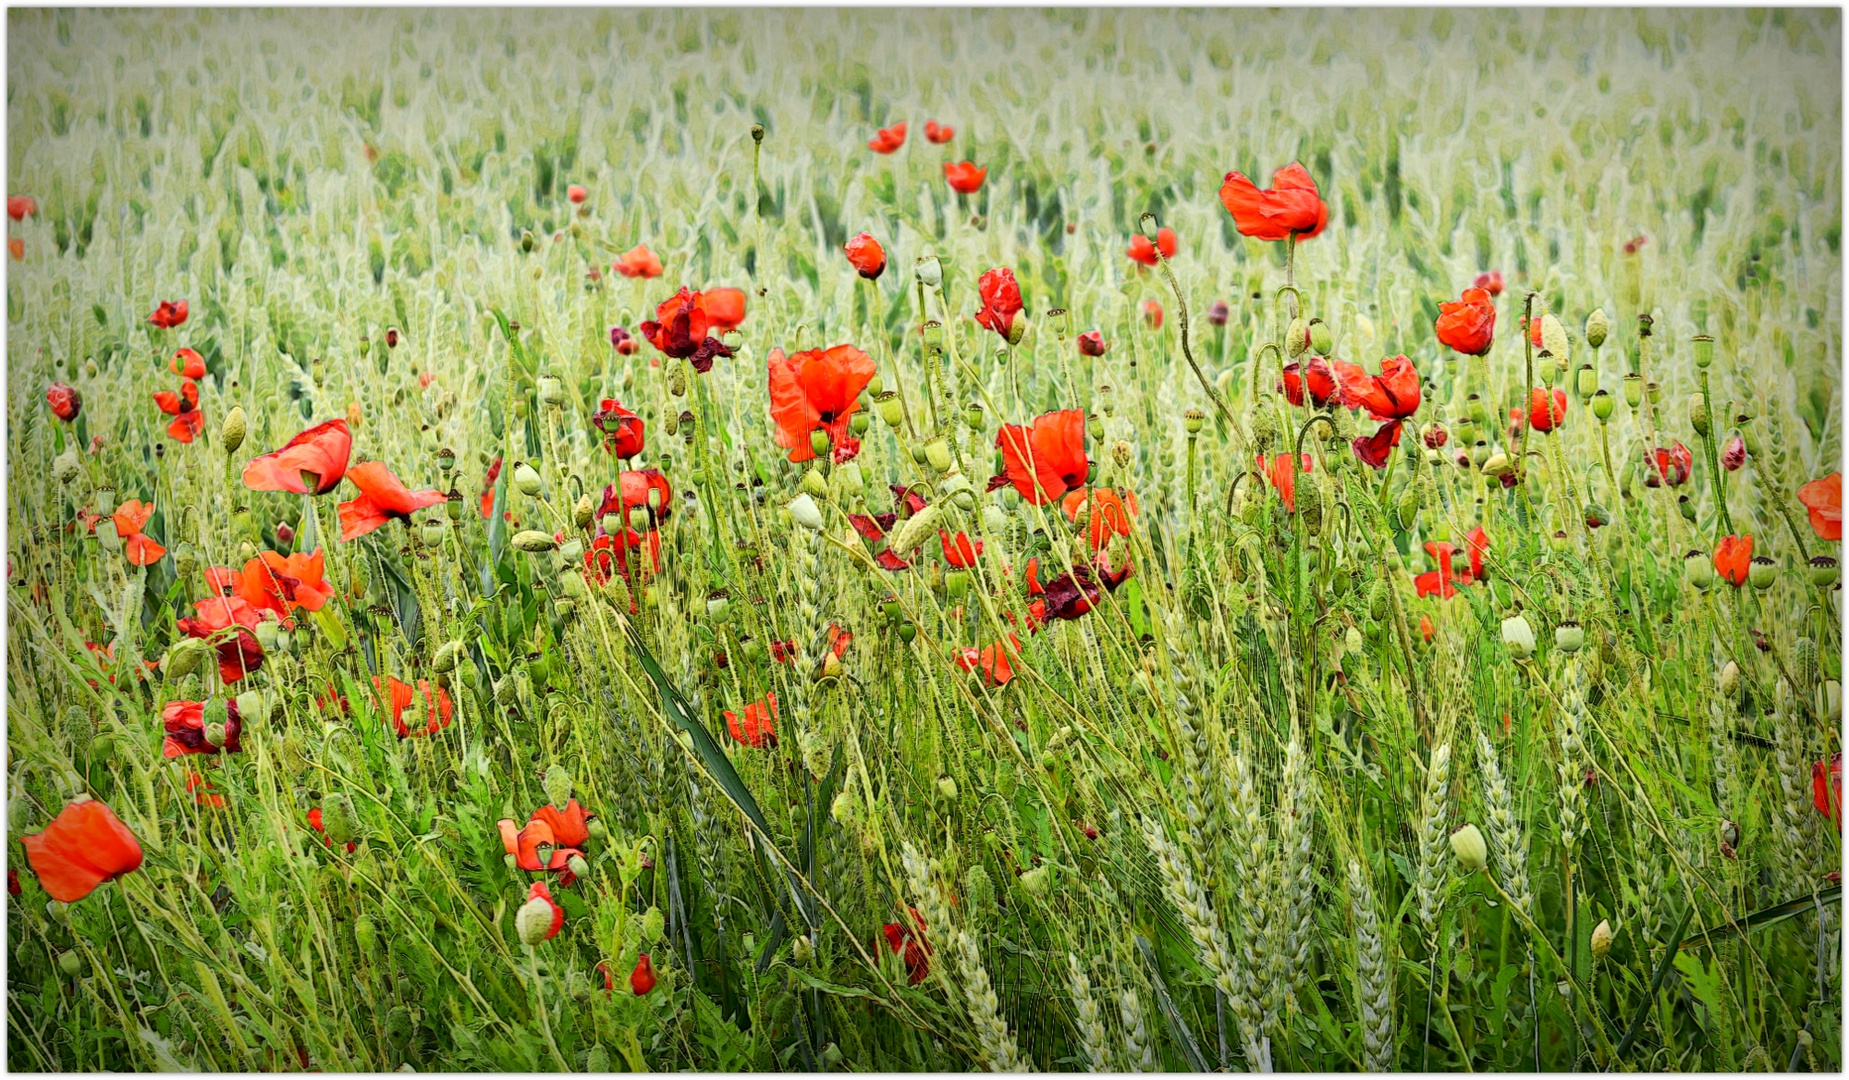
{"x": 311, "y": 480}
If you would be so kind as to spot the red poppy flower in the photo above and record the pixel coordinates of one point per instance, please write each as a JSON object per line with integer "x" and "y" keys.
{"x": 622, "y": 341}
{"x": 1282, "y": 472}
{"x": 487, "y": 492}
{"x": 1824, "y": 499}
{"x": 939, "y": 133}
{"x": 1152, "y": 314}
{"x": 1144, "y": 252}
{"x": 1541, "y": 416}
{"x": 188, "y": 421}
{"x": 576, "y": 193}
{"x": 1375, "y": 449}
{"x": 438, "y": 708}
{"x": 229, "y": 619}
{"x": 866, "y": 256}
{"x": 570, "y": 826}
{"x": 64, "y": 400}
{"x": 684, "y": 324}
{"x": 638, "y": 262}
{"x": 1477, "y": 542}
{"x": 903, "y": 941}
{"x": 992, "y": 661}
{"x": 1826, "y": 789}
{"x": 1001, "y": 300}
{"x": 16, "y": 247}
{"x": 1489, "y": 281}
{"x": 610, "y": 553}
{"x": 1426, "y": 629}
{"x": 906, "y": 498}
{"x": 1111, "y": 513}
{"x": 1078, "y": 591}
{"x": 540, "y": 892}
{"x": 1733, "y": 558}
{"x": 1046, "y": 460}
{"x": 187, "y": 363}
{"x": 84, "y": 846}
{"x": 622, "y": 430}
{"x": 758, "y": 728}
{"x": 1317, "y": 376}
{"x": 964, "y": 177}
{"x": 1290, "y": 205}
{"x": 20, "y": 207}
{"x": 959, "y": 551}
{"x": 1092, "y": 343}
{"x": 169, "y": 314}
{"x": 1468, "y": 325}
{"x": 540, "y": 835}
{"x": 816, "y": 389}
{"x": 1391, "y": 395}
{"x": 633, "y": 489}
{"x": 1441, "y": 582}
{"x": 383, "y": 498}
{"x": 129, "y": 519}
{"x": 888, "y": 139}
{"x": 642, "y": 979}
{"x": 184, "y": 725}
{"x": 282, "y": 583}
{"x": 1668, "y": 465}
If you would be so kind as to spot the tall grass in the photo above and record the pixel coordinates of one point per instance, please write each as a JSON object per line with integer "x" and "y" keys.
{"x": 1207, "y": 824}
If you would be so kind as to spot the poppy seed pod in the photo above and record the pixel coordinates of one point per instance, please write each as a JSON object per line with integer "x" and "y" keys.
{"x": 1704, "y": 350}
{"x": 1727, "y": 680}
{"x": 947, "y": 787}
{"x": 184, "y": 657}
{"x": 1518, "y": 636}
{"x": 107, "y": 536}
{"x": 1598, "y": 327}
{"x": 1686, "y": 506}
{"x": 1193, "y": 420}
{"x": 1698, "y": 414}
{"x": 1470, "y": 848}
{"x": 937, "y": 454}
{"x": 551, "y": 391}
{"x": 1698, "y": 569}
{"x": 891, "y": 408}
{"x": 928, "y": 271}
{"x": 532, "y": 541}
{"x": 1601, "y": 939}
{"x": 1762, "y": 573}
{"x": 1322, "y": 339}
{"x": 1602, "y": 405}
{"x": 1823, "y": 571}
{"x": 446, "y": 656}
{"x": 1569, "y": 637}
{"x": 1634, "y": 390}
{"x": 814, "y": 483}
{"x": 1546, "y": 366}
{"x": 526, "y": 478}
{"x": 1586, "y": 381}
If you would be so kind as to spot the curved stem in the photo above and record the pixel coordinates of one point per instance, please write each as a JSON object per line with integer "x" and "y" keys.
{"x": 1181, "y": 317}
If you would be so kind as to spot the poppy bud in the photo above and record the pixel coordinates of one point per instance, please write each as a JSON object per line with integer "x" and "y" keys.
{"x": 947, "y": 787}
{"x": 1546, "y": 366}
{"x": 1596, "y": 516}
{"x": 532, "y": 541}
{"x": 1698, "y": 569}
{"x": 818, "y": 442}
{"x": 578, "y": 866}
{"x": 231, "y": 429}
{"x": 1597, "y": 328}
{"x": 956, "y": 583}
{"x": 806, "y": 513}
{"x": 533, "y": 922}
{"x": 66, "y": 466}
{"x": 1219, "y": 313}
{"x": 1633, "y": 389}
{"x": 1018, "y": 328}
{"x": 1823, "y": 571}
{"x": 70, "y": 963}
{"x": 914, "y": 529}
{"x": 1554, "y": 337}
{"x": 317, "y": 372}
{"x": 1601, "y": 937}
{"x": 557, "y": 784}
{"x": 526, "y": 478}
{"x": 1297, "y": 337}
{"x": 1321, "y": 338}
{"x": 814, "y": 483}
{"x": 337, "y": 818}
{"x": 1497, "y": 464}
{"x": 1470, "y": 848}
{"x": 1586, "y": 382}
{"x": 642, "y": 979}
{"x": 1698, "y": 414}
{"x": 928, "y": 271}
{"x": 1687, "y": 506}
{"x": 1733, "y": 455}
{"x": 1518, "y": 636}
{"x": 1828, "y": 700}
{"x": 1654, "y": 391}
{"x": 551, "y": 391}
{"x": 1762, "y": 572}
{"x": 651, "y": 925}
{"x": 526, "y": 240}
{"x": 186, "y": 558}
{"x": 1559, "y": 541}
{"x": 677, "y": 383}
{"x": 1193, "y": 420}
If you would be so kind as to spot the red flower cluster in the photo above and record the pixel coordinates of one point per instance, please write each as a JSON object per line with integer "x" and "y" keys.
{"x": 685, "y": 324}
{"x": 1290, "y": 205}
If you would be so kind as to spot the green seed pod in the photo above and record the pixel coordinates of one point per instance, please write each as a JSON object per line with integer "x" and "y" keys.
{"x": 1704, "y": 351}
{"x": 70, "y": 963}
{"x": 446, "y": 656}
{"x": 399, "y": 1027}
{"x": 651, "y": 925}
{"x": 1005, "y": 780}
{"x": 1297, "y": 337}
{"x": 1699, "y": 569}
{"x": 1321, "y": 339}
{"x": 1598, "y": 327}
{"x": 551, "y": 391}
{"x": 253, "y": 708}
{"x": 1634, "y": 390}
{"x": 1602, "y": 405}
{"x": 1698, "y": 414}
{"x": 532, "y": 540}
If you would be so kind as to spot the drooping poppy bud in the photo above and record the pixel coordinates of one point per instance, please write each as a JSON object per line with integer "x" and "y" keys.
{"x": 866, "y": 256}
{"x": 642, "y": 979}
{"x": 1470, "y": 848}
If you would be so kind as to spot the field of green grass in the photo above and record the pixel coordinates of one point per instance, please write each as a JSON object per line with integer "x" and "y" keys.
{"x": 535, "y": 711}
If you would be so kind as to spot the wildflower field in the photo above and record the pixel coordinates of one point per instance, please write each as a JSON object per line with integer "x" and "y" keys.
{"x": 827, "y": 541}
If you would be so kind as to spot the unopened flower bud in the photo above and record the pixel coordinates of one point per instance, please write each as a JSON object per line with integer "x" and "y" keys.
{"x": 928, "y": 271}
{"x": 533, "y": 922}
{"x": 806, "y": 513}
{"x": 1698, "y": 414}
{"x": 526, "y": 240}
{"x": 1554, "y": 337}
{"x": 1219, "y": 313}
{"x": 1518, "y": 636}
{"x": 814, "y": 483}
{"x": 526, "y": 478}
{"x": 1468, "y": 845}
{"x": 66, "y": 466}
{"x": 337, "y": 818}
{"x": 1297, "y": 337}
{"x": 1597, "y": 328}
{"x": 1633, "y": 390}
{"x": 1601, "y": 937}
{"x": 1733, "y": 455}
{"x": 231, "y": 430}
{"x": 1321, "y": 338}
{"x": 532, "y": 541}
